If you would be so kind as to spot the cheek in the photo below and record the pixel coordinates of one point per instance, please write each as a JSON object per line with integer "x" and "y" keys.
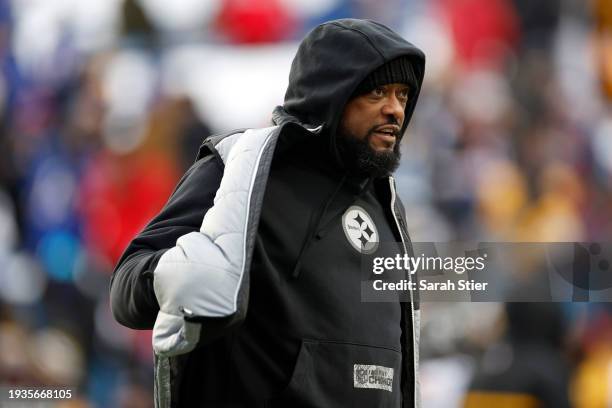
{"x": 361, "y": 124}
{"x": 358, "y": 128}
{"x": 359, "y": 117}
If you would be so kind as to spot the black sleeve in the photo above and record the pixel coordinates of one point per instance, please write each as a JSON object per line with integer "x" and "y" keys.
{"x": 132, "y": 298}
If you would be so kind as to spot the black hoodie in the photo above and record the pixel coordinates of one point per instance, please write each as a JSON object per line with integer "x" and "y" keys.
{"x": 332, "y": 61}
{"x": 307, "y": 340}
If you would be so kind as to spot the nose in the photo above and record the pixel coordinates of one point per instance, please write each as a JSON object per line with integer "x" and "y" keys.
{"x": 394, "y": 107}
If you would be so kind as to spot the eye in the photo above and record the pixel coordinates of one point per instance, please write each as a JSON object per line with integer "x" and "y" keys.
{"x": 403, "y": 94}
{"x": 378, "y": 92}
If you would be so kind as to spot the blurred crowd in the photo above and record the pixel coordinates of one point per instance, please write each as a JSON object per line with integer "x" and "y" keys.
{"x": 103, "y": 105}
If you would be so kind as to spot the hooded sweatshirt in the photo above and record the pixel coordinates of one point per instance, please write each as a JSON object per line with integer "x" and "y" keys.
{"x": 300, "y": 335}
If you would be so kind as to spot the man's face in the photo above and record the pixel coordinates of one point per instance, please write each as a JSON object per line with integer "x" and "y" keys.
{"x": 370, "y": 128}
{"x": 377, "y": 116}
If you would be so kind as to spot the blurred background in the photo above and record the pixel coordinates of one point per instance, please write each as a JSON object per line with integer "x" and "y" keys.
{"x": 103, "y": 104}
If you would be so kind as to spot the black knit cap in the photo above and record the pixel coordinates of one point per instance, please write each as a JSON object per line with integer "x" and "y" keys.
{"x": 398, "y": 71}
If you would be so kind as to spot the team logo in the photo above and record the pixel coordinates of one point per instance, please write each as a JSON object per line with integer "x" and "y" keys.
{"x": 360, "y": 230}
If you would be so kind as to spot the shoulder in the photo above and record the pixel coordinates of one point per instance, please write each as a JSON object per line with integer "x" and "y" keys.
{"x": 219, "y": 145}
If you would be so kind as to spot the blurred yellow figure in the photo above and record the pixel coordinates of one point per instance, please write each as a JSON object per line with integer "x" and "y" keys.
{"x": 593, "y": 380}
{"x": 500, "y": 400}
{"x": 603, "y": 44}
{"x": 527, "y": 369}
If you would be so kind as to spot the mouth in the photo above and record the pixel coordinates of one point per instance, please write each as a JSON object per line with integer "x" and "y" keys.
{"x": 383, "y": 138}
{"x": 388, "y": 137}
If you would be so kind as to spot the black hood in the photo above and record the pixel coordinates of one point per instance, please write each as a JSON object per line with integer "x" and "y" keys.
{"x": 332, "y": 61}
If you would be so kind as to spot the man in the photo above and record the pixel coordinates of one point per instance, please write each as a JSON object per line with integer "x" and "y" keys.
{"x": 250, "y": 275}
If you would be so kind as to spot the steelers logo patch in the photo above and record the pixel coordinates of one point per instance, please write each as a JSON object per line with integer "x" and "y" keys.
{"x": 360, "y": 230}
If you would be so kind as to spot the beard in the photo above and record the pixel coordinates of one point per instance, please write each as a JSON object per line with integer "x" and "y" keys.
{"x": 362, "y": 160}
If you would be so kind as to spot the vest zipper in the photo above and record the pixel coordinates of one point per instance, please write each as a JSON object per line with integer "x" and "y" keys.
{"x": 398, "y": 223}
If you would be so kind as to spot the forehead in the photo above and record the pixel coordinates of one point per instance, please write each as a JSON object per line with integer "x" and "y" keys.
{"x": 395, "y": 85}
